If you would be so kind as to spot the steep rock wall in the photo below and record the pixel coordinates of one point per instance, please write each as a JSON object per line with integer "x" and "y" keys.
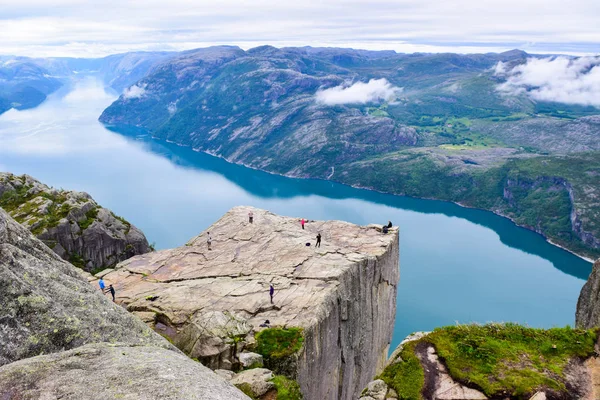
{"x": 349, "y": 345}
{"x": 588, "y": 305}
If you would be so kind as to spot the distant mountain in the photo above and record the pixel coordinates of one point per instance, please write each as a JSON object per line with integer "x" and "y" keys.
{"x": 25, "y": 82}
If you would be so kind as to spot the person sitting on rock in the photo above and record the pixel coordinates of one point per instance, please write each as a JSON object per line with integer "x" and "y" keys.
{"x": 318, "y": 244}
{"x": 111, "y": 289}
{"x": 266, "y": 324}
{"x": 385, "y": 229}
{"x": 389, "y": 225}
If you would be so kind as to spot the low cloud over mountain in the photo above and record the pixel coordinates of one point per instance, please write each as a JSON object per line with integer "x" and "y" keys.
{"x": 358, "y": 93}
{"x": 557, "y": 79}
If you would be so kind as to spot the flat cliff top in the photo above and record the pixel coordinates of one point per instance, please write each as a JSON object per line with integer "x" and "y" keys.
{"x": 245, "y": 258}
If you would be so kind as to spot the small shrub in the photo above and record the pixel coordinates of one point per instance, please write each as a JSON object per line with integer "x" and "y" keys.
{"x": 279, "y": 342}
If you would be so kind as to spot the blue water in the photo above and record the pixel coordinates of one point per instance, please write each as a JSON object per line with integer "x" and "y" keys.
{"x": 456, "y": 264}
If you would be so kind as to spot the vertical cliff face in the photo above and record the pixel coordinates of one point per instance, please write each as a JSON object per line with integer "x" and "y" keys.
{"x": 588, "y": 306}
{"x": 210, "y": 302}
{"x": 349, "y": 345}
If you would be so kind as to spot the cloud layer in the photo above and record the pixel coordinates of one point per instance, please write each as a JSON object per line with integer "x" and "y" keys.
{"x": 358, "y": 93}
{"x": 77, "y": 28}
{"x": 556, "y": 79}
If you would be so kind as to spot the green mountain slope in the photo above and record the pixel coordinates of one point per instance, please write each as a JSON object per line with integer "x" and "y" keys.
{"x": 446, "y": 134}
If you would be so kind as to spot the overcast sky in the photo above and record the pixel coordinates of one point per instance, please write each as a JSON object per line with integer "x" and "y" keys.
{"x": 90, "y": 29}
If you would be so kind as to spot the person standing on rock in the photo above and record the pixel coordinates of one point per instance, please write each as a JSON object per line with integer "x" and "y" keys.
{"x": 111, "y": 289}
{"x": 271, "y": 292}
{"x": 102, "y": 285}
{"x": 208, "y": 240}
{"x": 318, "y": 244}
{"x": 302, "y": 221}
{"x": 251, "y": 217}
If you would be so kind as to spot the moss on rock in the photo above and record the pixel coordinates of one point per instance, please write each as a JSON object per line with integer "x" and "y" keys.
{"x": 501, "y": 360}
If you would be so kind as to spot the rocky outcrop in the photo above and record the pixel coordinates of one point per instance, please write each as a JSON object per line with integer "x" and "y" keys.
{"x": 60, "y": 338}
{"x": 71, "y": 223}
{"x": 588, "y": 305}
{"x": 113, "y": 371}
{"x": 576, "y": 376}
{"x": 210, "y": 302}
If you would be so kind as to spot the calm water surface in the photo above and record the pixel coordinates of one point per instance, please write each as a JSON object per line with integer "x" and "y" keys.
{"x": 456, "y": 264}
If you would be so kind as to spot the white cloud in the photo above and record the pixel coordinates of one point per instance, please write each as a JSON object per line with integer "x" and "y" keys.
{"x": 76, "y": 28}
{"x": 556, "y": 79}
{"x": 134, "y": 92}
{"x": 500, "y": 69}
{"x": 358, "y": 93}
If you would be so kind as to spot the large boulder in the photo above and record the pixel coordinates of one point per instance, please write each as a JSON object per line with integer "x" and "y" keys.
{"x": 258, "y": 381}
{"x": 107, "y": 371}
{"x": 71, "y": 223}
{"x": 60, "y": 338}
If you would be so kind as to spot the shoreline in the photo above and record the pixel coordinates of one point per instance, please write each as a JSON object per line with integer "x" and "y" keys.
{"x": 548, "y": 240}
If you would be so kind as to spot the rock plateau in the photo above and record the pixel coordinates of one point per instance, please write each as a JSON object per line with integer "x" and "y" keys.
{"x": 209, "y": 302}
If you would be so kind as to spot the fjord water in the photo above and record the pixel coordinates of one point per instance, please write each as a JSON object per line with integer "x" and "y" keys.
{"x": 456, "y": 264}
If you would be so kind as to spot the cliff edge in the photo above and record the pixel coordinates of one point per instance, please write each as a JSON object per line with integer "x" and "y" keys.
{"x": 211, "y": 302}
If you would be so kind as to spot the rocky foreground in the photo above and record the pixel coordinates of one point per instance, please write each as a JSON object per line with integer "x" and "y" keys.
{"x": 71, "y": 223}
{"x": 61, "y": 339}
{"x": 211, "y": 302}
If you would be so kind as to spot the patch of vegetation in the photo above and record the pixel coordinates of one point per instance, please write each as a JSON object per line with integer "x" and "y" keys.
{"x": 534, "y": 191}
{"x": 12, "y": 199}
{"x": 406, "y": 377}
{"x": 279, "y": 342}
{"x": 90, "y": 217}
{"x": 287, "y": 389}
{"x": 247, "y": 390}
{"x": 499, "y": 359}
{"x": 77, "y": 260}
{"x": 124, "y": 221}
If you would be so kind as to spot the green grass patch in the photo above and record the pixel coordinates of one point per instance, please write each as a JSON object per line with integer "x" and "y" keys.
{"x": 499, "y": 359}
{"x": 287, "y": 389}
{"x": 511, "y": 357}
{"x": 247, "y": 390}
{"x": 406, "y": 377}
{"x": 90, "y": 217}
{"x": 279, "y": 342}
